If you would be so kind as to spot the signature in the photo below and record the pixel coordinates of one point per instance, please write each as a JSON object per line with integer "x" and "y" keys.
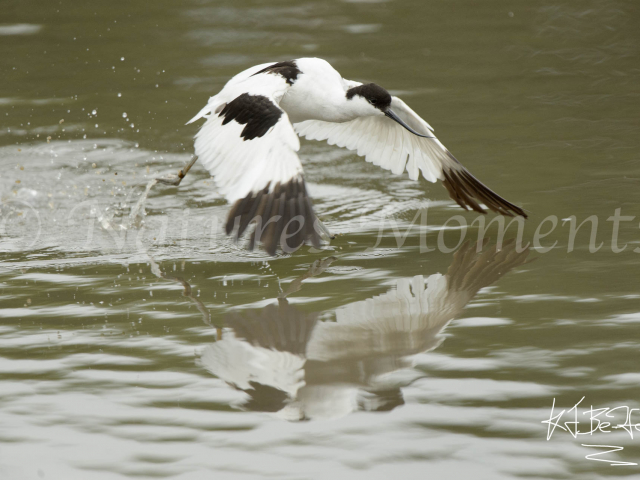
{"x": 599, "y": 420}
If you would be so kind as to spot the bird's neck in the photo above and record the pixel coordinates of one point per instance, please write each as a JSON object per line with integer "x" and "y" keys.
{"x": 317, "y": 97}
{"x": 315, "y": 107}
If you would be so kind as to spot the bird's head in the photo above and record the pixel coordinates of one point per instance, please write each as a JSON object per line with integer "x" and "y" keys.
{"x": 369, "y": 100}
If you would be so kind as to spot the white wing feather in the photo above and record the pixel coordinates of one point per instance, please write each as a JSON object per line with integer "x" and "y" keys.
{"x": 385, "y": 143}
{"x": 231, "y": 84}
{"x": 250, "y": 149}
{"x": 238, "y": 166}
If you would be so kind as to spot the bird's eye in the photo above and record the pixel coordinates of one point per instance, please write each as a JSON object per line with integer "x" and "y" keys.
{"x": 372, "y": 101}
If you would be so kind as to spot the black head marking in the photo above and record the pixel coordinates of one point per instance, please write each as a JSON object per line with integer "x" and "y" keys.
{"x": 374, "y": 94}
{"x": 289, "y": 70}
{"x": 258, "y": 113}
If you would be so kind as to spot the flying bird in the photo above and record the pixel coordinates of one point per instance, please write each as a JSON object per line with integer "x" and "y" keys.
{"x": 249, "y": 144}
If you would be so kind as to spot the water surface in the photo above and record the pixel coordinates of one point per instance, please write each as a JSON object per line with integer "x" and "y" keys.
{"x": 155, "y": 346}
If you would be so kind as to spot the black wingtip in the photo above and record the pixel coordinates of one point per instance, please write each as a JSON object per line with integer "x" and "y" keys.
{"x": 469, "y": 192}
{"x": 284, "y": 218}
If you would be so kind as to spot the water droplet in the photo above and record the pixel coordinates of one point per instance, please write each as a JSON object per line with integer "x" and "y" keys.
{"x": 124, "y": 114}
{"x": 94, "y": 112}
{"x": 119, "y": 94}
{"x": 122, "y": 59}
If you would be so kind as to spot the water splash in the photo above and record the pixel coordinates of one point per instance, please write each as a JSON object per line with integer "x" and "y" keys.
{"x": 137, "y": 214}
{"x": 134, "y": 220}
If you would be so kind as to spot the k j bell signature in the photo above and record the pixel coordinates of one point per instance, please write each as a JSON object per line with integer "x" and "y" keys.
{"x": 581, "y": 422}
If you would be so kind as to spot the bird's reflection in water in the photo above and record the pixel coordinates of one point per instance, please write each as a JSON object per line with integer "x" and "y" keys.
{"x": 293, "y": 364}
{"x": 290, "y": 362}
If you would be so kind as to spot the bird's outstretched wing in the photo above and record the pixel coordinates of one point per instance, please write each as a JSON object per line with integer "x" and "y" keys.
{"x": 408, "y": 319}
{"x": 250, "y": 148}
{"x": 385, "y": 143}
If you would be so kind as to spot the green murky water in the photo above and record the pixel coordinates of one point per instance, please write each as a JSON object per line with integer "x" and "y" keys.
{"x": 156, "y": 347}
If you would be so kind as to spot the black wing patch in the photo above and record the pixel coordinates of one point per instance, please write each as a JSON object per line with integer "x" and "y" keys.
{"x": 289, "y": 70}
{"x": 284, "y": 218}
{"x": 257, "y": 112}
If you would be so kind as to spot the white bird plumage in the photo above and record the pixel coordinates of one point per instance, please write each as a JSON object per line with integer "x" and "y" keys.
{"x": 249, "y": 145}
{"x": 323, "y": 367}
